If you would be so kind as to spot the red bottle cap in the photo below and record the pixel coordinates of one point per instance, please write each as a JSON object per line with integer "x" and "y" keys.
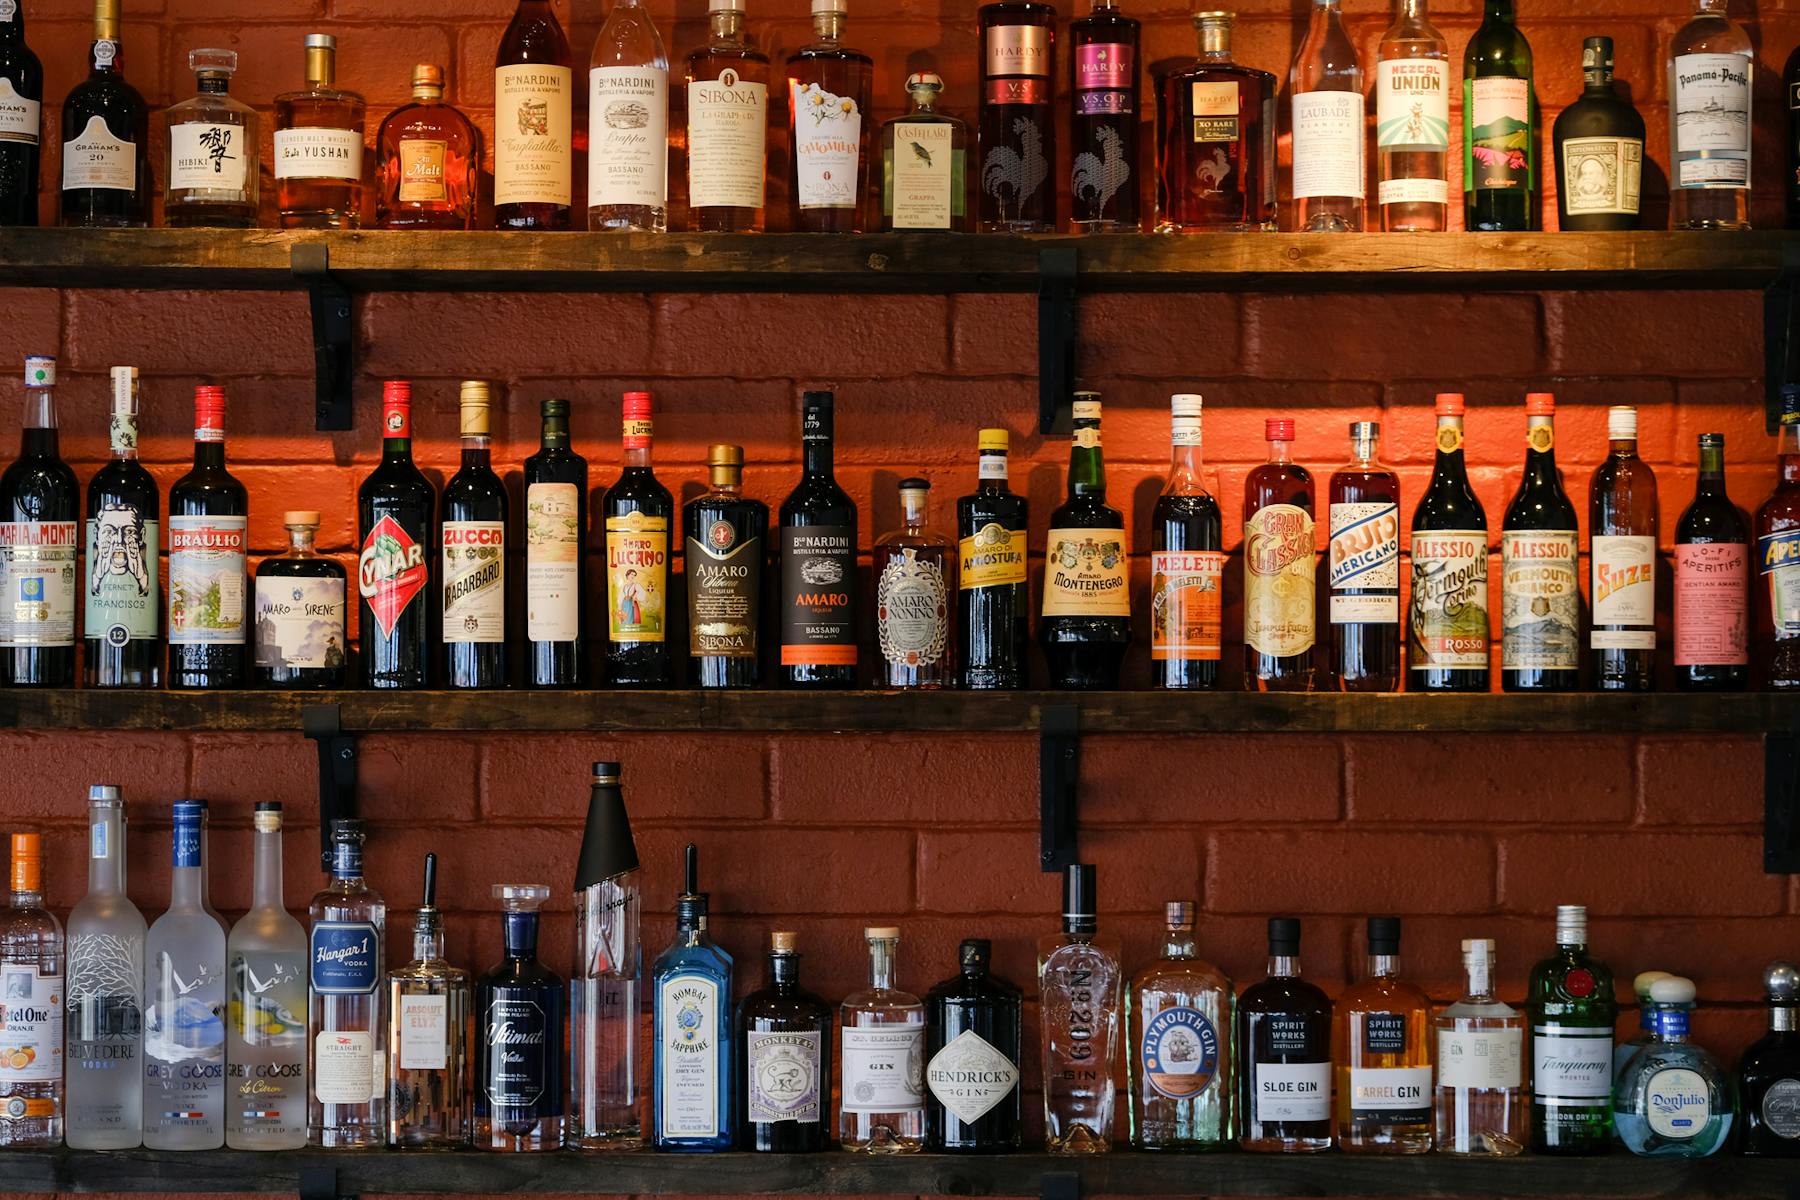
{"x": 1449, "y": 404}
{"x": 637, "y": 420}
{"x": 1278, "y": 429}
{"x": 1539, "y": 404}
{"x": 396, "y": 391}
{"x": 396, "y": 409}
{"x": 209, "y": 413}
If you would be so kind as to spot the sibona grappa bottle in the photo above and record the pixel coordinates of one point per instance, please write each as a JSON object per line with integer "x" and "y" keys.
{"x": 691, "y": 1109}
{"x": 31, "y": 1020}
{"x": 1712, "y": 583}
{"x": 1187, "y": 563}
{"x": 972, "y": 1048}
{"x": 345, "y": 1016}
{"x": 105, "y": 1029}
{"x": 1017, "y": 154}
{"x": 1673, "y": 1100}
{"x": 993, "y": 599}
{"x": 40, "y": 539}
{"x": 725, "y": 133}
{"x": 1284, "y": 1043}
{"x": 1280, "y": 569}
{"x": 725, "y": 551}
{"x": 1381, "y": 1047}
{"x": 1078, "y": 992}
{"x": 1363, "y": 565}
{"x": 428, "y": 1003}
{"x": 883, "y": 1106}
{"x": 1481, "y": 1097}
{"x": 185, "y": 1004}
{"x": 1103, "y": 120}
{"x": 520, "y": 1036}
{"x": 784, "y": 1096}
{"x": 1570, "y": 1003}
{"x": 1178, "y": 1023}
{"x": 1448, "y": 617}
{"x": 1086, "y": 621}
{"x": 1768, "y": 1076}
{"x": 606, "y": 985}
{"x": 265, "y": 1045}
{"x": 556, "y": 503}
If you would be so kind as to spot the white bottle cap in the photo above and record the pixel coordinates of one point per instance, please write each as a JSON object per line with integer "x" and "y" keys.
{"x": 40, "y": 371}
{"x": 1184, "y": 404}
{"x": 1621, "y": 424}
{"x": 1571, "y": 925}
{"x": 1673, "y": 989}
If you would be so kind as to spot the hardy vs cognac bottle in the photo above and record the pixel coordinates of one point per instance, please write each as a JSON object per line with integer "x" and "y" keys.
{"x": 394, "y": 518}
{"x": 1017, "y": 155}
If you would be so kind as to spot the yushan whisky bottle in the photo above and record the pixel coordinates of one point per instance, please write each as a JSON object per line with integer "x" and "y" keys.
{"x": 628, "y": 124}
{"x": 1078, "y": 991}
{"x": 915, "y": 576}
{"x": 637, "y": 511}
{"x": 1017, "y": 156}
{"x": 1481, "y": 1098}
{"x": 883, "y": 1029}
{"x": 1500, "y": 146}
{"x": 184, "y": 995}
{"x": 556, "y": 500}
{"x": 727, "y": 539}
{"x": 299, "y": 598}
{"x": 346, "y": 1020}
{"x": 1280, "y": 570}
{"x": 40, "y": 538}
{"x": 817, "y": 553}
{"x": 1622, "y": 521}
{"x": 1448, "y": 618}
{"x": 265, "y": 1045}
{"x": 1382, "y": 1051}
{"x": 1086, "y": 619}
{"x": 691, "y": 1107}
{"x": 1215, "y": 140}
{"x": 924, "y": 164}
{"x": 607, "y": 980}
{"x": 726, "y": 126}
{"x": 1284, "y": 1038}
{"x": 319, "y": 146}
{"x": 1540, "y": 589}
{"x": 473, "y": 549}
{"x": 21, "y": 120}
{"x": 124, "y": 546}
{"x": 427, "y": 161}
{"x": 105, "y": 1093}
{"x": 1323, "y": 115}
{"x": 1187, "y": 563}
{"x": 972, "y": 1045}
{"x": 1412, "y": 123}
{"x": 1570, "y": 1004}
{"x": 31, "y": 961}
{"x": 519, "y": 1051}
{"x": 993, "y": 599}
{"x": 1768, "y": 1078}
{"x": 784, "y": 1100}
{"x": 1363, "y": 568}
{"x": 1778, "y": 557}
{"x": 1599, "y": 144}
{"x": 1673, "y": 1100}
{"x": 428, "y": 1005}
{"x": 828, "y": 105}
{"x": 106, "y": 180}
{"x": 212, "y": 176}
{"x": 1178, "y": 1021}
{"x": 1103, "y": 120}
{"x": 534, "y": 128}
{"x": 1711, "y": 68}
{"x": 208, "y": 522}
{"x": 1712, "y": 583}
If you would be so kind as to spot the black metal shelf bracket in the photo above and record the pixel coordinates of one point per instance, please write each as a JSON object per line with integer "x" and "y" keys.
{"x": 1059, "y": 1185}
{"x": 320, "y": 1183}
{"x": 1056, "y": 338}
{"x": 334, "y": 332}
{"x": 1781, "y": 803}
{"x": 1059, "y": 756}
{"x": 337, "y": 770}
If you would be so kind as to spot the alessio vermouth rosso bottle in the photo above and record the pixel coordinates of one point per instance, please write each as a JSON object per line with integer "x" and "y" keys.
{"x": 121, "y": 581}
{"x": 1448, "y": 616}
{"x": 556, "y": 487}
{"x": 817, "y": 549}
{"x": 208, "y": 520}
{"x": 40, "y": 541}
{"x": 637, "y": 511}
{"x": 394, "y": 517}
{"x": 474, "y": 556}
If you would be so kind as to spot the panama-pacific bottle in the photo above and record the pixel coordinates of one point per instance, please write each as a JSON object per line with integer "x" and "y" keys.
{"x": 637, "y": 511}
{"x": 556, "y": 497}
{"x": 1280, "y": 568}
{"x": 395, "y": 507}
{"x": 691, "y": 1026}
{"x": 725, "y": 552}
{"x": 1712, "y": 583}
{"x": 1540, "y": 589}
{"x": 1187, "y": 563}
{"x": 1086, "y": 621}
{"x": 104, "y": 1038}
{"x": 1622, "y": 521}
{"x": 40, "y": 539}
{"x": 1363, "y": 568}
{"x": 1500, "y": 135}
{"x": 124, "y": 597}
{"x": 993, "y": 599}
{"x": 1572, "y": 1012}
{"x": 519, "y": 1046}
{"x": 208, "y": 535}
{"x": 1448, "y": 616}
{"x": 972, "y": 1058}
{"x": 473, "y": 570}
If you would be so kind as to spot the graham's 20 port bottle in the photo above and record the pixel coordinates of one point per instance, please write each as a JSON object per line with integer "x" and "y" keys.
{"x": 394, "y": 510}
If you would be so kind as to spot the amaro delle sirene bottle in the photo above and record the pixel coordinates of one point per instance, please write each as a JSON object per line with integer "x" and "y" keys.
{"x": 1712, "y": 65}
{"x": 556, "y": 498}
{"x": 1017, "y": 153}
{"x": 727, "y": 103}
{"x": 828, "y": 105}
{"x": 1622, "y": 521}
{"x": 1103, "y": 120}
{"x": 637, "y": 512}
{"x": 691, "y": 1109}
{"x": 534, "y": 133}
{"x": 1768, "y": 1077}
{"x": 1178, "y": 1054}
{"x": 993, "y": 599}
{"x": 1673, "y": 1099}
{"x": 345, "y": 1015}
{"x": 474, "y": 555}
{"x": 520, "y": 1036}
{"x": 1570, "y": 1004}
{"x": 972, "y": 1046}
{"x": 1412, "y": 123}
{"x": 40, "y": 539}
{"x": 1187, "y": 563}
{"x": 265, "y": 1045}
{"x": 882, "y": 1110}
{"x": 1500, "y": 139}
{"x": 1712, "y": 583}
{"x": 394, "y": 516}
{"x": 1078, "y": 991}
{"x": 784, "y": 1095}
{"x": 1086, "y": 620}
{"x": 606, "y": 983}
{"x": 1280, "y": 570}
{"x": 726, "y": 548}
{"x": 208, "y": 520}
{"x": 1540, "y": 573}
{"x": 31, "y": 1019}
{"x": 1284, "y": 1040}
{"x": 21, "y": 120}
{"x": 105, "y": 1029}
{"x": 121, "y": 585}
{"x": 1448, "y": 620}
{"x": 1381, "y": 1046}
{"x": 817, "y": 553}
{"x": 1323, "y": 115}
{"x": 429, "y": 1010}
{"x": 1481, "y": 1097}
{"x": 628, "y": 124}
{"x": 300, "y": 638}
{"x": 1363, "y": 563}
{"x": 185, "y": 1003}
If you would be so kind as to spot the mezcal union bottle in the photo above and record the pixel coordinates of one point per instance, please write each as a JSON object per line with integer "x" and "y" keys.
{"x": 266, "y": 1034}
{"x": 31, "y": 1020}
{"x": 1412, "y": 123}
{"x": 784, "y": 1098}
{"x": 40, "y": 534}
{"x": 883, "y": 1106}
{"x": 105, "y": 1031}
{"x": 428, "y": 1038}
{"x": 184, "y": 1004}
{"x": 519, "y": 1087}
{"x": 1769, "y": 1072}
{"x": 1481, "y": 1097}
{"x": 1673, "y": 1099}
{"x": 344, "y": 1011}
{"x": 972, "y": 1040}
{"x": 1570, "y": 1003}
{"x": 606, "y": 984}
{"x": 1078, "y": 989}
{"x": 1178, "y": 1018}
{"x": 691, "y": 1025}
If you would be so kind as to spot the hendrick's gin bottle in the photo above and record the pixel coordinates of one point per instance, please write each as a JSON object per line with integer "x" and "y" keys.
{"x": 40, "y": 523}
{"x": 638, "y": 512}
{"x": 972, "y": 1059}
{"x": 1087, "y": 594}
{"x": 1540, "y": 589}
{"x": 818, "y": 563}
{"x": 474, "y": 566}
{"x": 993, "y": 601}
{"x": 727, "y": 541}
{"x": 556, "y": 480}
{"x": 394, "y": 510}
{"x": 123, "y": 548}
{"x": 208, "y": 513}
{"x": 784, "y": 1098}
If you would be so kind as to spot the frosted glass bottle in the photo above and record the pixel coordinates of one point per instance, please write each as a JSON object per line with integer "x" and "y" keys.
{"x": 184, "y": 1004}
{"x": 266, "y": 1029}
{"x": 104, "y": 1036}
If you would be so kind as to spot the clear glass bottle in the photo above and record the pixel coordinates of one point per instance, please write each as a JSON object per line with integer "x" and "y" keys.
{"x": 1646, "y": 1031}
{"x": 1284, "y": 1037}
{"x": 31, "y": 1018}
{"x": 1482, "y": 1104}
{"x": 345, "y": 1016}
{"x": 1768, "y": 1076}
{"x": 265, "y": 1045}
{"x": 211, "y": 175}
{"x": 784, "y": 1095}
{"x": 606, "y": 986}
{"x": 1622, "y": 525}
{"x": 1323, "y": 142}
{"x": 915, "y": 576}
{"x": 428, "y": 1038}
{"x": 883, "y": 1106}
{"x": 1178, "y": 1019}
{"x": 427, "y": 161}
{"x": 924, "y": 164}
{"x": 1215, "y": 140}
{"x": 300, "y": 597}
{"x": 319, "y": 146}
{"x": 1573, "y": 1015}
{"x": 1381, "y": 1045}
{"x": 725, "y": 130}
{"x": 534, "y": 137}
{"x": 519, "y": 1052}
{"x": 1078, "y": 992}
{"x": 184, "y": 1004}
{"x": 691, "y": 1108}
{"x": 828, "y": 106}
{"x": 1187, "y": 563}
{"x": 1673, "y": 1099}
{"x": 105, "y": 1028}
{"x": 1412, "y": 123}
{"x": 628, "y": 124}
{"x": 1712, "y": 66}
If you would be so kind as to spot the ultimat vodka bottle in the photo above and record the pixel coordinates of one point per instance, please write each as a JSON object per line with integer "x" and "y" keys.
{"x": 1572, "y": 1013}
{"x": 606, "y": 984}
{"x": 428, "y": 1038}
{"x": 1769, "y": 1072}
{"x": 184, "y": 1004}
{"x": 972, "y": 1042}
{"x": 1673, "y": 1100}
{"x": 344, "y": 1011}
{"x": 883, "y": 1105}
{"x": 106, "y": 970}
{"x": 265, "y": 1104}
{"x": 1078, "y": 989}
{"x": 1284, "y": 1038}
{"x": 691, "y": 1025}
{"x": 784, "y": 1097}
{"x": 1382, "y": 1050}
{"x": 31, "y": 1021}
{"x": 518, "y": 1072}
{"x": 1481, "y": 1097}
{"x": 1178, "y": 1053}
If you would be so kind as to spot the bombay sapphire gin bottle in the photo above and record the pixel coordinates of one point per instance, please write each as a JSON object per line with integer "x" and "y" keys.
{"x": 692, "y": 1027}
{"x": 266, "y": 1051}
{"x": 104, "y": 1039}
{"x": 1673, "y": 1100}
{"x": 184, "y": 1005}
{"x": 1078, "y": 987}
{"x": 519, "y": 1087}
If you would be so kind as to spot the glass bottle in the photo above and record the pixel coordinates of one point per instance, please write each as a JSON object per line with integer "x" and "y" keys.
{"x": 1540, "y": 590}
{"x": 972, "y": 1047}
{"x": 1364, "y": 568}
{"x": 1381, "y": 1045}
{"x": 184, "y": 1005}
{"x": 1284, "y": 1038}
{"x": 1017, "y": 122}
{"x": 428, "y": 1038}
{"x": 637, "y": 510}
{"x": 1570, "y": 1003}
{"x": 534, "y": 129}
{"x": 40, "y": 526}
{"x": 519, "y": 1053}
{"x": 1280, "y": 569}
{"x": 1768, "y": 1077}
{"x": 1323, "y": 128}
{"x": 1103, "y": 120}
{"x": 427, "y": 161}
{"x": 1646, "y": 1031}
{"x": 691, "y": 1108}
{"x": 1711, "y": 68}
{"x": 1178, "y": 1054}
{"x": 924, "y": 164}
{"x": 21, "y": 120}
{"x": 1500, "y": 147}
{"x": 882, "y": 1110}
{"x": 1599, "y": 142}
{"x": 300, "y": 640}
{"x": 106, "y": 179}
{"x": 265, "y": 1046}
{"x": 628, "y": 124}
{"x": 345, "y": 1016}
{"x": 123, "y": 594}
{"x": 784, "y": 1098}
{"x": 915, "y": 577}
{"x": 556, "y": 500}
{"x": 31, "y": 967}
{"x": 1215, "y": 140}
{"x": 1481, "y": 1098}
{"x": 394, "y": 524}
{"x": 1086, "y": 618}
{"x": 817, "y": 553}
{"x": 473, "y": 536}
{"x": 1078, "y": 994}
{"x": 1712, "y": 583}
{"x": 725, "y": 130}
{"x": 208, "y": 534}
{"x": 1412, "y": 123}
{"x": 828, "y": 106}
{"x": 1449, "y": 610}
{"x": 727, "y": 543}
{"x": 606, "y": 983}
{"x": 1778, "y": 557}
{"x": 1187, "y": 563}
{"x": 993, "y": 599}
{"x": 1622, "y": 522}
{"x": 1673, "y": 1100}
{"x": 319, "y": 146}
{"x": 105, "y": 1026}
{"x": 1790, "y": 87}
{"x": 212, "y": 172}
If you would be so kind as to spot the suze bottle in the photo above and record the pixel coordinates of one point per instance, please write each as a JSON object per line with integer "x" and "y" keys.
{"x": 265, "y": 1048}
{"x": 105, "y": 1029}
{"x": 1712, "y": 583}
{"x": 1078, "y": 990}
{"x": 1187, "y": 563}
{"x": 1103, "y": 120}
{"x": 1284, "y": 1043}
{"x": 726, "y": 548}
{"x": 21, "y": 120}
{"x": 606, "y": 985}
{"x": 1016, "y": 157}
{"x": 1280, "y": 569}
{"x": 31, "y": 1020}
{"x": 428, "y": 1002}
{"x": 1448, "y": 617}
{"x": 473, "y": 570}
{"x": 817, "y": 551}
{"x": 993, "y": 599}
{"x": 1178, "y": 1023}
{"x": 1540, "y": 589}
{"x": 637, "y": 512}
{"x": 519, "y": 1046}
{"x": 972, "y": 1057}
{"x": 1622, "y": 520}
{"x": 1086, "y": 619}
{"x": 691, "y": 1110}
{"x": 184, "y": 1004}
{"x": 1768, "y": 1077}
{"x": 1572, "y": 1013}
{"x": 124, "y": 649}
{"x": 208, "y": 517}
{"x": 1363, "y": 565}
{"x": 556, "y": 497}
{"x": 394, "y": 511}
{"x": 883, "y": 1106}
{"x": 40, "y": 538}
{"x": 106, "y": 180}
{"x": 784, "y": 1095}
{"x": 345, "y": 1016}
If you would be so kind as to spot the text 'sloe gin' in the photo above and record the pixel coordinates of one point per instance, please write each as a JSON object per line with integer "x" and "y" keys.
{"x": 1078, "y": 990}
{"x": 105, "y": 1029}
{"x": 1673, "y": 1100}
{"x": 1572, "y": 1013}
{"x": 1182, "y": 1091}
{"x": 345, "y": 1013}
{"x": 784, "y": 1095}
{"x": 1481, "y": 1098}
{"x": 883, "y": 1105}
{"x": 265, "y": 1105}
{"x": 519, "y": 1044}
{"x": 31, "y": 1021}
{"x": 40, "y": 534}
{"x": 184, "y": 1003}
{"x": 428, "y": 1037}
{"x": 606, "y": 984}
{"x": 1284, "y": 1036}
{"x": 691, "y": 1110}
{"x": 972, "y": 1046}
{"x": 1769, "y": 1072}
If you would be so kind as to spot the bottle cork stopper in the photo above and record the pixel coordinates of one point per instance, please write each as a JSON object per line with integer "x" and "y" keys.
{"x": 783, "y": 941}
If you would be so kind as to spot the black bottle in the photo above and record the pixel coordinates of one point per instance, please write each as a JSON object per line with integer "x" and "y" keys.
{"x": 1599, "y": 143}
{"x": 1790, "y": 89}
{"x": 1016, "y": 160}
{"x": 1769, "y": 1072}
{"x": 21, "y": 134}
{"x": 300, "y": 639}
{"x": 817, "y": 548}
{"x": 121, "y": 576}
{"x": 520, "y": 1039}
{"x": 106, "y": 181}
{"x": 727, "y": 542}
{"x": 1540, "y": 589}
{"x": 208, "y": 517}
{"x": 784, "y": 1034}
{"x": 993, "y": 599}
{"x": 1284, "y": 1038}
{"x": 1187, "y": 563}
{"x": 556, "y": 485}
{"x": 637, "y": 512}
{"x": 1712, "y": 583}
{"x": 1086, "y": 621}
{"x": 394, "y": 510}
{"x": 972, "y": 1059}
{"x": 1103, "y": 123}
{"x": 1448, "y": 621}
{"x": 474, "y": 556}
{"x": 41, "y": 501}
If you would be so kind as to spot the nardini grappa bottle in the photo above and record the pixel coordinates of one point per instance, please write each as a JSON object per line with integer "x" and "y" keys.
{"x": 534, "y": 130}
{"x": 628, "y": 124}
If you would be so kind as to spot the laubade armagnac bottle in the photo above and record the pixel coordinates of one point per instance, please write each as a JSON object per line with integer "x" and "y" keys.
{"x": 993, "y": 600}
{"x": 637, "y": 511}
{"x": 394, "y": 510}
{"x": 474, "y": 556}
{"x": 122, "y": 581}
{"x": 40, "y": 539}
{"x": 818, "y": 563}
{"x": 556, "y": 485}
{"x": 208, "y": 514}
{"x": 727, "y": 542}
{"x": 1540, "y": 588}
{"x": 1449, "y": 609}
{"x": 1087, "y": 588}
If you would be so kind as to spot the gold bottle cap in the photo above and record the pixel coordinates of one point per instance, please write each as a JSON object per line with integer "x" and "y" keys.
{"x": 882, "y": 933}
{"x": 783, "y": 941}
{"x": 300, "y": 518}
{"x": 476, "y": 396}
{"x": 993, "y": 439}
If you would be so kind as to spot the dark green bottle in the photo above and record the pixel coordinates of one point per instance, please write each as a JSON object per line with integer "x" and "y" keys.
{"x": 1571, "y": 1008}
{"x": 1500, "y": 140}
{"x": 1087, "y": 585}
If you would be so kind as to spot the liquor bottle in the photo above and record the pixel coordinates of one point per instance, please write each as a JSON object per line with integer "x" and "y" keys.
{"x": 993, "y": 599}
{"x": 319, "y": 146}
{"x": 1449, "y": 611}
{"x": 1673, "y": 1100}
{"x": 1500, "y": 185}
{"x": 206, "y": 904}
{"x": 1078, "y": 993}
{"x": 1178, "y": 1019}
{"x": 212, "y": 157}
{"x": 40, "y": 536}
{"x": 924, "y": 164}
{"x": 638, "y": 511}
{"x": 21, "y": 120}
{"x": 300, "y": 636}
{"x": 534, "y": 127}
{"x": 883, "y": 1030}
{"x": 628, "y": 124}
{"x": 828, "y": 103}
{"x": 31, "y": 963}
{"x": 1540, "y": 590}
{"x": 1570, "y": 1003}
{"x": 727, "y": 538}
{"x": 1711, "y": 67}
{"x": 1187, "y": 563}
{"x": 915, "y": 577}
{"x": 343, "y": 999}
{"x": 106, "y": 181}
{"x": 1215, "y": 140}
{"x": 972, "y": 1022}
{"x": 1778, "y": 557}
{"x": 784, "y": 1099}
{"x": 123, "y": 556}
{"x": 1599, "y": 142}
{"x": 473, "y": 537}
{"x": 1646, "y": 1033}
{"x": 1017, "y": 127}
{"x": 1280, "y": 570}
{"x": 208, "y": 517}
{"x": 265, "y": 1045}
{"x": 1412, "y": 124}
{"x": 519, "y": 1052}
{"x": 1712, "y": 583}
{"x": 1790, "y": 87}
{"x": 606, "y": 984}
{"x": 429, "y": 1012}
{"x": 427, "y": 161}
{"x": 817, "y": 551}
{"x": 184, "y": 1005}
{"x": 1768, "y": 1078}
{"x": 1086, "y": 618}
{"x": 105, "y": 1029}
{"x": 727, "y": 116}
{"x": 1364, "y": 568}
{"x": 1284, "y": 1036}
{"x": 394, "y": 520}
{"x": 1381, "y": 1045}
{"x": 1481, "y": 1097}
{"x": 1103, "y": 121}
{"x": 556, "y": 498}
{"x": 691, "y": 1109}
{"x": 1622, "y": 521}
{"x": 1323, "y": 116}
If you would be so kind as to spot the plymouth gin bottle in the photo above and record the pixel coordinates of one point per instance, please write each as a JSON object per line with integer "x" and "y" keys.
{"x": 428, "y": 1038}
{"x": 40, "y": 514}
{"x": 1178, "y": 1045}
{"x": 1284, "y": 1036}
{"x": 31, "y": 1020}
{"x": 184, "y": 1004}
{"x": 519, "y": 1007}
{"x": 883, "y": 1105}
{"x": 691, "y": 1025}
{"x": 1570, "y": 1004}
{"x": 784, "y": 1096}
{"x": 972, "y": 1045}
{"x": 1673, "y": 1099}
{"x": 265, "y": 1106}
{"x": 1481, "y": 1097}
{"x": 1078, "y": 990}
{"x": 123, "y": 555}
{"x": 1381, "y": 1046}
{"x": 606, "y": 985}
{"x": 344, "y": 1011}
{"x": 1769, "y": 1072}
{"x": 104, "y": 1034}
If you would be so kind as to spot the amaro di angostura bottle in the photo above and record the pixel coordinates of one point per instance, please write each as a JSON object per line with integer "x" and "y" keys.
{"x": 817, "y": 552}
{"x": 394, "y": 519}
{"x": 1381, "y": 1047}
{"x": 1768, "y": 1076}
{"x": 208, "y": 518}
{"x": 606, "y": 982}
{"x": 784, "y": 1097}
{"x": 1712, "y": 583}
{"x": 1086, "y": 621}
{"x": 1187, "y": 563}
{"x": 123, "y": 553}
{"x": 726, "y": 545}
{"x": 1673, "y": 1099}
{"x": 1016, "y": 159}
{"x": 637, "y": 512}
{"x": 695, "y": 1058}
{"x": 1778, "y": 557}
{"x": 265, "y": 1044}
{"x": 993, "y": 600}
{"x": 40, "y": 539}
{"x": 1078, "y": 992}
{"x": 31, "y": 962}
{"x": 1572, "y": 1012}
{"x": 429, "y": 1031}
{"x": 972, "y": 1032}
{"x": 345, "y": 1016}
{"x": 883, "y": 1106}
{"x": 1104, "y": 189}
{"x": 185, "y": 1003}
{"x": 1178, "y": 1054}
{"x": 519, "y": 1046}
{"x": 1363, "y": 566}
{"x": 1622, "y": 521}
{"x": 1284, "y": 1044}
{"x": 1448, "y": 617}
{"x": 299, "y": 629}
{"x": 1280, "y": 571}
{"x": 1540, "y": 588}
{"x": 105, "y": 1024}
{"x": 556, "y": 497}
{"x": 473, "y": 570}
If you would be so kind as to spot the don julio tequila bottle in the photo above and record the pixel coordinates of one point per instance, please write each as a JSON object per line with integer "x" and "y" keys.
{"x": 606, "y": 984}
{"x": 105, "y": 1031}
{"x": 265, "y": 1102}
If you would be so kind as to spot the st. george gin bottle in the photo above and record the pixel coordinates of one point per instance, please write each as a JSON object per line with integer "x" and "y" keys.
{"x": 883, "y": 1106}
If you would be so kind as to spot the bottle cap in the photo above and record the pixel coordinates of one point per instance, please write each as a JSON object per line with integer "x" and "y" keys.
{"x": 428, "y": 75}
{"x": 817, "y": 399}
{"x": 1449, "y": 404}
{"x": 124, "y": 389}
{"x": 301, "y": 518}
{"x": 637, "y": 406}
{"x": 721, "y": 455}
{"x": 1712, "y": 441}
{"x": 784, "y": 941}
{"x": 475, "y": 397}
{"x": 1621, "y": 423}
{"x": 1364, "y": 431}
{"x": 606, "y": 773}
{"x": 829, "y": 6}
{"x": 882, "y": 933}
{"x": 1086, "y": 406}
{"x": 1215, "y": 17}
{"x": 1673, "y": 989}
{"x": 975, "y": 954}
{"x": 1597, "y": 52}
{"x": 27, "y": 862}
{"x": 1478, "y": 950}
{"x": 1641, "y": 985}
{"x": 554, "y": 408}
{"x": 924, "y": 81}
{"x": 1284, "y": 937}
{"x": 40, "y": 371}
{"x": 607, "y": 847}
{"x": 1278, "y": 429}
{"x": 103, "y": 793}
{"x": 993, "y": 439}
{"x": 1790, "y": 404}
{"x": 918, "y": 487}
{"x": 521, "y": 897}
{"x": 1079, "y": 900}
{"x": 221, "y": 63}
{"x": 1184, "y": 404}
{"x": 1384, "y": 935}
{"x": 736, "y": 6}
{"x": 1539, "y": 404}
{"x": 1179, "y": 914}
{"x": 397, "y": 393}
{"x": 320, "y": 41}
{"x": 1571, "y": 925}
{"x": 267, "y": 817}
{"x": 1782, "y": 979}
{"x": 347, "y": 829}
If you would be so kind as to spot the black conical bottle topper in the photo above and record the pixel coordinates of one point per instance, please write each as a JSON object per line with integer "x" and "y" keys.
{"x": 607, "y": 848}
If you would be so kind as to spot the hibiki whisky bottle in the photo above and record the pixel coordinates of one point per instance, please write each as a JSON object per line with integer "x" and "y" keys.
{"x": 184, "y": 1004}
{"x": 883, "y": 1105}
{"x": 691, "y": 1109}
{"x": 1572, "y": 1013}
{"x": 1017, "y": 156}
{"x": 1381, "y": 1045}
{"x": 606, "y": 983}
{"x": 345, "y": 1015}
{"x": 31, "y": 1020}
{"x": 972, "y": 1043}
{"x": 265, "y": 1048}
{"x": 40, "y": 514}
{"x": 1178, "y": 1022}
{"x": 519, "y": 1050}
{"x": 784, "y": 1097}
{"x": 212, "y": 163}
{"x": 428, "y": 1006}
{"x": 1481, "y": 1097}
{"x": 1769, "y": 1072}
{"x": 1284, "y": 1038}
{"x": 915, "y": 576}
{"x": 105, "y": 1101}
{"x": 1673, "y": 1099}
{"x": 1078, "y": 991}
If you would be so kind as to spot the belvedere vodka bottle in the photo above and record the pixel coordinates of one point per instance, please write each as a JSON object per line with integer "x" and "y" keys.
{"x": 184, "y": 1005}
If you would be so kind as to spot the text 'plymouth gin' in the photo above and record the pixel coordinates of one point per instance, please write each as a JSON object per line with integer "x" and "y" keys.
{"x": 606, "y": 984}
{"x": 691, "y": 1025}
{"x": 883, "y": 1107}
{"x": 1178, "y": 1053}
{"x": 265, "y": 1108}
{"x": 31, "y": 1018}
{"x": 519, "y": 1047}
{"x": 344, "y": 1010}
{"x": 105, "y": 1031}
{"x": 184, "y": 1003}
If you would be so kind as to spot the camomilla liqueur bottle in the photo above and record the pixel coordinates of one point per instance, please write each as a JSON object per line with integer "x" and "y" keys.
{"x": 1381, "y": 1046}
{"x": 106, "y": 179}
{"x": 1017, "y": 155}
{"x": 1412, "y": 123}
{"x": 726, "y": 126}
{"x": 427, "y": 161}
{"x": 972, "y": 1045}
{"x": 1712, "y": 583}
{"x": 208, "y": 519}
{"x": 882, "y": 1110}
{"x": 1481, "y": 1097}
{"x": 1363, "y": 567}
{"x": 1322, "y": 114}
{"x": 828, "y": 105}
{"x": 1086, "y": 621}
{"x": 319, "y": 146}
{"x": 924, "y": 164}
{"x": 1711, "y": 68}
{"x": 1673, "y": 1100}
{"x": 1280, "y": 570}
{"x": 1178, "y": 1055}
{"x": 1103, "y": 120}
{"x": 606, "y": 982}
{"x": 1622, "y": 521}
{"x": 637, "y": 511}
{"x": 184, "y": 1004}
{"x": 556, "y": 498}
{"x": 1570, "y": 1003}
{"x": 124, "y": 649}
{"x": 211, "y": 166}
{"x": 691, "y": 1109}
{"x": 473, "y": 539}
{"x": 428, "y": 1004}
{"x": 628, "y": 124}
{"x": 915, "y": 576}
{"x": 299, "y": 629}
{"x": 1768, "y": 1076}
{"x": 21, "y": 121}
{"x": 727, "y": 539}
{"x": 520, "y": 1038}
{"x": 105, "y": 1027}
{"x": 31, "y": 1020}
{"x": 534, "y": 134}
{"x": 993, "y": 599}
{"x": 1284, "y": 1038}
{"x": 1448, "y": 618}
{"x": 1215, "y": 139}
{"x": 1599, "y": 143}
{"x": 265, "y": 1044}
{"x": 345, "y": 1016}
{"x": 1778, "y": 556}
{"x": 1540, "y": 589}
{"x": 784, "y": 1098}
{"x": 1187, "y": 563}
{"x": 1500, "y": 140}
{"x": 817, "y": 560}
{"x": 40, "y": 539}
{"x": 1078, "y": 992}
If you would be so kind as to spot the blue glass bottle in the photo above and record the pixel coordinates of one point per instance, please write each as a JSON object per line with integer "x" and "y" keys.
{"x": 692, "y": 1023}
{"x": 519, "y": 1008}
{"x": 1673, "y": 1099}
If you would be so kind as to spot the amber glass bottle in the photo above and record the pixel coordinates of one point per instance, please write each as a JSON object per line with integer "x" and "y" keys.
{"x": 1381, "y": 1045}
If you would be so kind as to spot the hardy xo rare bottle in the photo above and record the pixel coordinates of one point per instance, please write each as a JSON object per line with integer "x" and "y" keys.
{"x": 727, "y": 541}
{"x": 1103, "y": 120}
{"x": 1280, "y": 569}
{"x": 1187, "y": 563}
{"x": 638, "y": 511}
{"x": 1087, "y": 590}
{"x": 1449, "y": 612}
{"x": 1622, "y": 520}
{"x": 1017, "y": 155}
{"x": 474, "y": 557}
{"x": 208, "y": 514}
{"x": 818, "y": 563}
{"x": 1712, "y": 584}
{"x": 555, "y": 554}
{"x": 993, "y": 602}
{"x": 40, "y": 539}
{"x": 1365, "y": 569}
{"x": 1540, "y": 589}
{"x": 394, "y": 509}
{"x": 123, "y": 548}
{"x": 972, "y": 1046}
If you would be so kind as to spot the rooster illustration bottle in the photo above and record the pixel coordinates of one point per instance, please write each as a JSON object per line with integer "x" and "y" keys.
{"x": 1103, "y": 121}
{"x": 1018, "y": 129}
